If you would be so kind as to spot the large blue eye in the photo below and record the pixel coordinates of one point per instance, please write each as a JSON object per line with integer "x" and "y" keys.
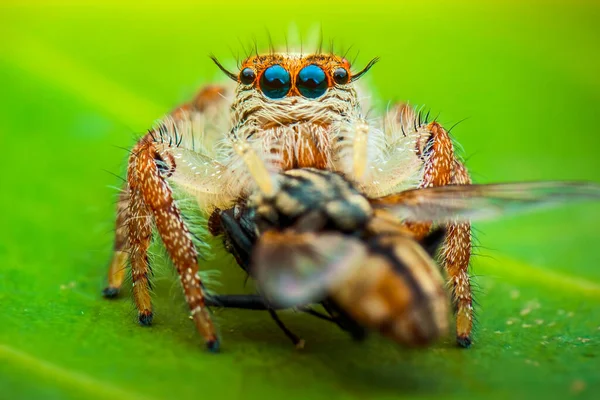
{"x": 312, "y": 82}
{"x": 275, "y": 82}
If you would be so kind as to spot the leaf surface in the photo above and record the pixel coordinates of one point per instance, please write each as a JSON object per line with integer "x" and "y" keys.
{"x": 80, "y": 83}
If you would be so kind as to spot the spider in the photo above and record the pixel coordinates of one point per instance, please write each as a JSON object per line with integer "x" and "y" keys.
{"x": 284, "y": 111}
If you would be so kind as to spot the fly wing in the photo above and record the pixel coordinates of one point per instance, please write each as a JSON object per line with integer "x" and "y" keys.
{"x": 293, "y": 269}
{"x": 482, "y": 202}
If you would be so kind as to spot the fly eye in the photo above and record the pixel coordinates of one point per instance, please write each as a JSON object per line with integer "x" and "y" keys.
{"x": 312, "y": 82}
{"x": 340, "y": 76}
{"x": 275, "y": 82}
{"x": 247, "y": 76}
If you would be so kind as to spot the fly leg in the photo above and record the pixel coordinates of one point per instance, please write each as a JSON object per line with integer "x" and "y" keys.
{"x": 299, "y": 343}
{"x": 253, "y": 302}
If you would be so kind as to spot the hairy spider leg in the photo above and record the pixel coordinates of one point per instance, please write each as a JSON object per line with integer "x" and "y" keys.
{"x": 133, "y": 228}
{"x": 441, "y": 167}
{"x": 152, "y": 195}
{"x": 139, "y": 227}
{"x": 208, "y": 97}
{"x": 456, "y": 254}
{"x": 118, "y": 264}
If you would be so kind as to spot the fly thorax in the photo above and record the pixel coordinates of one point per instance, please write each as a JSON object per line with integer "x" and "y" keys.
{"x": 310, "y": 200}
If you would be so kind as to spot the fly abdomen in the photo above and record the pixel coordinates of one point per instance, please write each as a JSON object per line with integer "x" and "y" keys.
{"x": 397, "y": 291}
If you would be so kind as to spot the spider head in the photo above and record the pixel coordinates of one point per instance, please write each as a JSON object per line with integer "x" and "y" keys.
{"x": 287, "y": 88}
{"x": 277, "y": 76}
{"x": 293, "y": 102}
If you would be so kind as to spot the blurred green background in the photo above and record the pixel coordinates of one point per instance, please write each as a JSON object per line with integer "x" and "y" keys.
{"x": 79, "y": 82}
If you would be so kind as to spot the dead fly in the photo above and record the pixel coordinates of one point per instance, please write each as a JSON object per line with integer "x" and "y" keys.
{"x": 289, "y": 111}
{"x": 317, "y": 239}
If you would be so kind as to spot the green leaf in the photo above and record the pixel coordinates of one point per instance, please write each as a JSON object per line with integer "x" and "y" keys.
{"x": 78, "y": 83}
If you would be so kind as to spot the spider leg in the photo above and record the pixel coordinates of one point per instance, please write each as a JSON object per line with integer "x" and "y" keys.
{"x": 151, "y": 196}
{"x": 118, "y": 264}
{"x": 456, "y": 255}
{"x": 147, "y": 198}
{"x": 205, "y": 101}
{"x": 139, "y": 226}
{"x": 441, "y": 168}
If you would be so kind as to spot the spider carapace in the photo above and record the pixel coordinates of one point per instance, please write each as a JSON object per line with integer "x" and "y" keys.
{"x": 307, "y": 113}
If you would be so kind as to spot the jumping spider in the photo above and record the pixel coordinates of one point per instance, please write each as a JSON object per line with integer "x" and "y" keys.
{"x": 294, "y": 112}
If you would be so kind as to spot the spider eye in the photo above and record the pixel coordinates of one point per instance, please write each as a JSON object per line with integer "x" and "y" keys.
{"x": 275, "y": 82}
{"x": 340, "y": 76}
{"x": 312, "y": 82}
{"x": 247, "y": 76}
